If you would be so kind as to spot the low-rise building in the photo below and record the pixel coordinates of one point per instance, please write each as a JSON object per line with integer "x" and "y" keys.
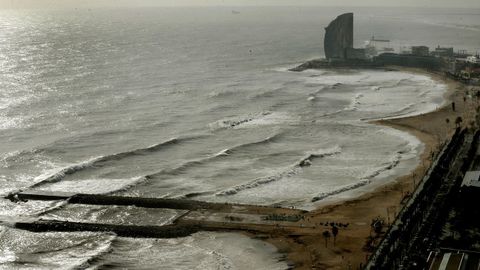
{"x": 356, "y": 54}
{"x": 443, "y": 52}
{"x": 470, "y": 189}
{"x": 420, "y": 50}
{"x": 473, "y": 60}
{"x": 453, "y": 260}
{"x": 471, "y": 179}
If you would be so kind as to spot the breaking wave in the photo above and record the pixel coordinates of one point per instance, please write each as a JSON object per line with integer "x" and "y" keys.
{"x": 363, "y": 182}
{"x": 267, "y": 140}
{"x": 79, "y": 251}
{"x": 424, "y": 93}
{"x": 223, "y": 93}
{"x": 355, "y": 102}
{"x": 293, "y": 170}
{"x": 69, "y": 170}
{"x": 257, "y": 119}
{"x": 324, "y": 195}
{"x": 94, "y": 186}
{"x": 54, "y": 206}
{"x": 386, "y": 167}
{"x": 402, "y": 112}
{"x": 235, "y": 122}
{"x": 266, "y": 94}
{"x": 102, "y": 250}
{"x": 124, "y": 185}
{"x": 136, "y": 181}
{"x": 222, "y": 153}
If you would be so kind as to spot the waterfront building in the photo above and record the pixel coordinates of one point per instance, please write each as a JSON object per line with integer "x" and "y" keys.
{"x": 420, "y": 50}
{"x": 339, "y": 37}
{"x": 453, "y": 259}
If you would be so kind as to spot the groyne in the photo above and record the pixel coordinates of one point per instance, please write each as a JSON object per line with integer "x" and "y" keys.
{"x": 99, "y": 199}
{"x": 198, "y": 217}
{"x": 378, "y": 62}
{"x": 167, "y": 231}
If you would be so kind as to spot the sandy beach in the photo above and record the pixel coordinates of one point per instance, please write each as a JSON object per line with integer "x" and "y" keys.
{"x": 312, "y": 251}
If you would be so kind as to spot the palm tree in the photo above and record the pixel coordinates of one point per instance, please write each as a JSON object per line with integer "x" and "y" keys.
{"x": 326, "y": 235}
{"x": 447, "y": 120}
{"x": 458, "y": 121}
{"x": 334, "y": 233}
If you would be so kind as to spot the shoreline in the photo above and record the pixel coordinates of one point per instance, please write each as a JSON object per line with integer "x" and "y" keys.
{"x": 386, "y": 200}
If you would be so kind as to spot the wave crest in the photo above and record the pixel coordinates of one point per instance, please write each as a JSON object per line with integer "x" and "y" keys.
{"x": 69, "y": 170}
{"x": 367, "y": 179}
{"x": 324, "y": 195}
{"x": 259, "y": 119}
{"x": 293, "y": 170}
{"x": 223, "y": 153}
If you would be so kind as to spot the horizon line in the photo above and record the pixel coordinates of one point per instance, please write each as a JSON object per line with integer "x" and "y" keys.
{"x": 233, "y": 6}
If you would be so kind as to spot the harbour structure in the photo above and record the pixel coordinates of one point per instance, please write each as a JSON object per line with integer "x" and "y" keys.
{"x": 376, "y": 46}
{"x": 340, "y": 53}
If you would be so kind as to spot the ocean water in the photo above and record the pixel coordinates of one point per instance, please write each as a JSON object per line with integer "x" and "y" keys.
{"x": 197, "y": 103}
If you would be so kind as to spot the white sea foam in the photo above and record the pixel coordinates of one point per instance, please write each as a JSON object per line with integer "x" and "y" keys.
{"x": 340, "y": 190}
{"x": 53, "y": 249}
{"x": 355, "y": 102}
{"x": 253, "y": 120}
{"x": 58, "y": 174}
{"x": 118, "y": 215}
{"x": 93, "y": 186}
{"x": 292, "y": 170}
{"x": 209, "y": 251}
{"x": 9, "y": 122}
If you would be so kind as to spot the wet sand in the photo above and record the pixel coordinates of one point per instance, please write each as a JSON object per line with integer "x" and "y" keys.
{"x": 312, "y": 251}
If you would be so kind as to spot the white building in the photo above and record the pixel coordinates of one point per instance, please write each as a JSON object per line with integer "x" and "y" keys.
{"x": 471, "y": 179}
{"x": 473, "y": 59}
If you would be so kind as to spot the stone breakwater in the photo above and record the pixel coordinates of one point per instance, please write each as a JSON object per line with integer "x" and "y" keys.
{"x": 326, "y": 64}
{"x": 387, "y": 59}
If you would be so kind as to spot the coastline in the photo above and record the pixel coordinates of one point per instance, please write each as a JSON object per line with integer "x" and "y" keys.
{"x": 309, "y": 251}
{"x": 300, "y": 244}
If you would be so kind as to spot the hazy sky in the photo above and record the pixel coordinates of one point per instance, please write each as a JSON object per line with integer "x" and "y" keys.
{"x": 97, "y": 3}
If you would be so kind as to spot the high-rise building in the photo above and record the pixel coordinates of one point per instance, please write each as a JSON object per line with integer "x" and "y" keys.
{"x": 339, "y": 37}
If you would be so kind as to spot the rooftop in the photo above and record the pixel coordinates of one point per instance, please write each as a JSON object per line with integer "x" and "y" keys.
{"x": 453, "y": 260}
{"x": 471, "y": 179}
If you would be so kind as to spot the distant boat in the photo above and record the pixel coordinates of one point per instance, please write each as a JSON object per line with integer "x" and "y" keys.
{"x": 235, "y": 12}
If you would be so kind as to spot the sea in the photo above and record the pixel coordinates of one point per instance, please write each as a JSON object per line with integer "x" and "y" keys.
{"x": 198, "y": 103}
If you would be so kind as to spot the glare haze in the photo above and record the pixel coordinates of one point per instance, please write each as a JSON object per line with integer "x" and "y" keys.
{"x": 134, "y": 3}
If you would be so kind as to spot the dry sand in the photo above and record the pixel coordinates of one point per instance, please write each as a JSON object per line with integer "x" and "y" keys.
{"x": 309, "y": 250}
